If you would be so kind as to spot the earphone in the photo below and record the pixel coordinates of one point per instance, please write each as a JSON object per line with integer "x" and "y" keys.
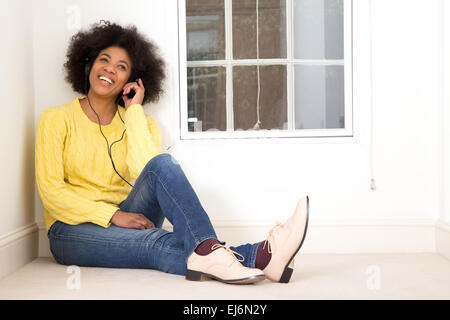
{"x": 87, "y": 71}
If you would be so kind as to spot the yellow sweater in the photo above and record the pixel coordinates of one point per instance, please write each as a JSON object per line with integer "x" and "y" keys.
{"x": 74, "y": 174}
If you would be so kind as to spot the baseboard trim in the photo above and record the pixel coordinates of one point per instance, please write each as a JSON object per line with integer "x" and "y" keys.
{"x": 443, "y": 238}
{"x": 18, "y": 248}
{"x": 326, "y": 236}
{"x": 44, "y": 245}
{"x": 344, "y": 236}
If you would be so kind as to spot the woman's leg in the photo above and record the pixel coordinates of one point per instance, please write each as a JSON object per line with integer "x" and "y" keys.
{"x": 163, "y": 190}
{"x": 163, "y": 182}
{"x": 163, "y": 172}
{"x": 91, "y": 245}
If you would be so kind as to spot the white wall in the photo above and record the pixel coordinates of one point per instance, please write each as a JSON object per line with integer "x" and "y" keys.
{"x": 17, "y": 122}
{"x": 406, "y": 95}
{"x": 444, "y": 124}
{"x": 260, "y": 180}
{"x": 17, "y": 135}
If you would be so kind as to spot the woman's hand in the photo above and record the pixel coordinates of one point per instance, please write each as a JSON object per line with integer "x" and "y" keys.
{"x": 138, "y": 97}
{"x": 131, "y": 220}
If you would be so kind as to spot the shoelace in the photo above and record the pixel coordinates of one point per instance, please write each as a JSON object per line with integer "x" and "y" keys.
{"x": 218, "y": 245}
{"x": 269, "y": 237}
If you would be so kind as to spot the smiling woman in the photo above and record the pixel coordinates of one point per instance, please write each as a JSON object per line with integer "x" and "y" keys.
{"x": 109, "y": 74}
{"x": 97, "y": 218}
{"x": 85, "y": 47}
{"x": 122, "y": 65}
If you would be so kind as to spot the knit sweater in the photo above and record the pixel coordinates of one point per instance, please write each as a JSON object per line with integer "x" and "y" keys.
{"x": 74, "y": 173}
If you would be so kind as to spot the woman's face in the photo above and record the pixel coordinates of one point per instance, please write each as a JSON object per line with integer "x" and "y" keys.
{"x": 110, "y": 72}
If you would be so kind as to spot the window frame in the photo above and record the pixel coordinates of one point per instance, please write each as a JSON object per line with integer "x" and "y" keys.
{"x": 290, "y": 63}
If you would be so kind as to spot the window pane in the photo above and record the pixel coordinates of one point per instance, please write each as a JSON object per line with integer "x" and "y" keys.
{"x": 272, "y": 29}
{"x": 206, "y": 99}
{"x": 205, "y": 30}
{"x": 272, "y": 99}
{"x": 318, "y": 29}
{"x": 319, "y": 97}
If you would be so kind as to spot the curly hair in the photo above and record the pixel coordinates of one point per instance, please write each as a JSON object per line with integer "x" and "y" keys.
{"x": 85, "y": 46}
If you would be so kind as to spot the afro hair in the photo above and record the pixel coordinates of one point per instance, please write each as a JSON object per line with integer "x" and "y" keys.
{"x": 85, "y": 46}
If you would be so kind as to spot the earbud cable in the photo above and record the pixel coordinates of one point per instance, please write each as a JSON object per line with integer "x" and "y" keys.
{"x": 107, "y": 142}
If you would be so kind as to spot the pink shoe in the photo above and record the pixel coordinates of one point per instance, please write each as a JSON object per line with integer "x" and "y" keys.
{"x": 284, "y": 241}
{"x": 221, "y": 265}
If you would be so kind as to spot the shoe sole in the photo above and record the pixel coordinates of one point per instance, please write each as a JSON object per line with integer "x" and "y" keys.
{"x": 193, "y": 275}
{"x": 289, "y": 268}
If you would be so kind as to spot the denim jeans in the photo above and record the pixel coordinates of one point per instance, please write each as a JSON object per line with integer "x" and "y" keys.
{"x": 161, "y": 191}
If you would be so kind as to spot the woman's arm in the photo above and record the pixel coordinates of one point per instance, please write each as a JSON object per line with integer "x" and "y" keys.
{"x": 144, "y": 139}
{"x": 62, "y": 204}
{"x": 143, "y": 132}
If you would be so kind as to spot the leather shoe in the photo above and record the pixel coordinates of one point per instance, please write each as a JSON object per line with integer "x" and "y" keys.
{"x": 284, "y": 241}
{"x": 222, "y": 265}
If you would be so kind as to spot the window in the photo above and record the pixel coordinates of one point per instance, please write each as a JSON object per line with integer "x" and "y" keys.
{"x": 265, "y": 68}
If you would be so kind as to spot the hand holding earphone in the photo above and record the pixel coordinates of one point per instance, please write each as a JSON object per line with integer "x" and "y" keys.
{"x": 138, "y": 88}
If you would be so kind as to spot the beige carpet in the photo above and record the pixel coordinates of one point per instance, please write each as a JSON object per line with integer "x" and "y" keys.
{"x": 316, "y": 276}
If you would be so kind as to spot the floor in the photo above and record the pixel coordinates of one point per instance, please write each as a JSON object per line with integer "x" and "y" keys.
{"x": 316, "y": 276}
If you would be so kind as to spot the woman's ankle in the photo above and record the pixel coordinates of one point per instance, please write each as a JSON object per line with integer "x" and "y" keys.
{"x": 263, "y": 256}
{"x": 205, "y": 247}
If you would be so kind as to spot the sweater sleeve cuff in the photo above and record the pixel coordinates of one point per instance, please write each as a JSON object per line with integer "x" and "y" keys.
{"x": 102, "y": 217}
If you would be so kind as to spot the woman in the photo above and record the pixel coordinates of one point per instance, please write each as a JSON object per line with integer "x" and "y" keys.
{"x": 105, "y": 206}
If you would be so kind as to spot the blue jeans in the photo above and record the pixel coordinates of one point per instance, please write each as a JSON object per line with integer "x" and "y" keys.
{"x": 161, "y": 191}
